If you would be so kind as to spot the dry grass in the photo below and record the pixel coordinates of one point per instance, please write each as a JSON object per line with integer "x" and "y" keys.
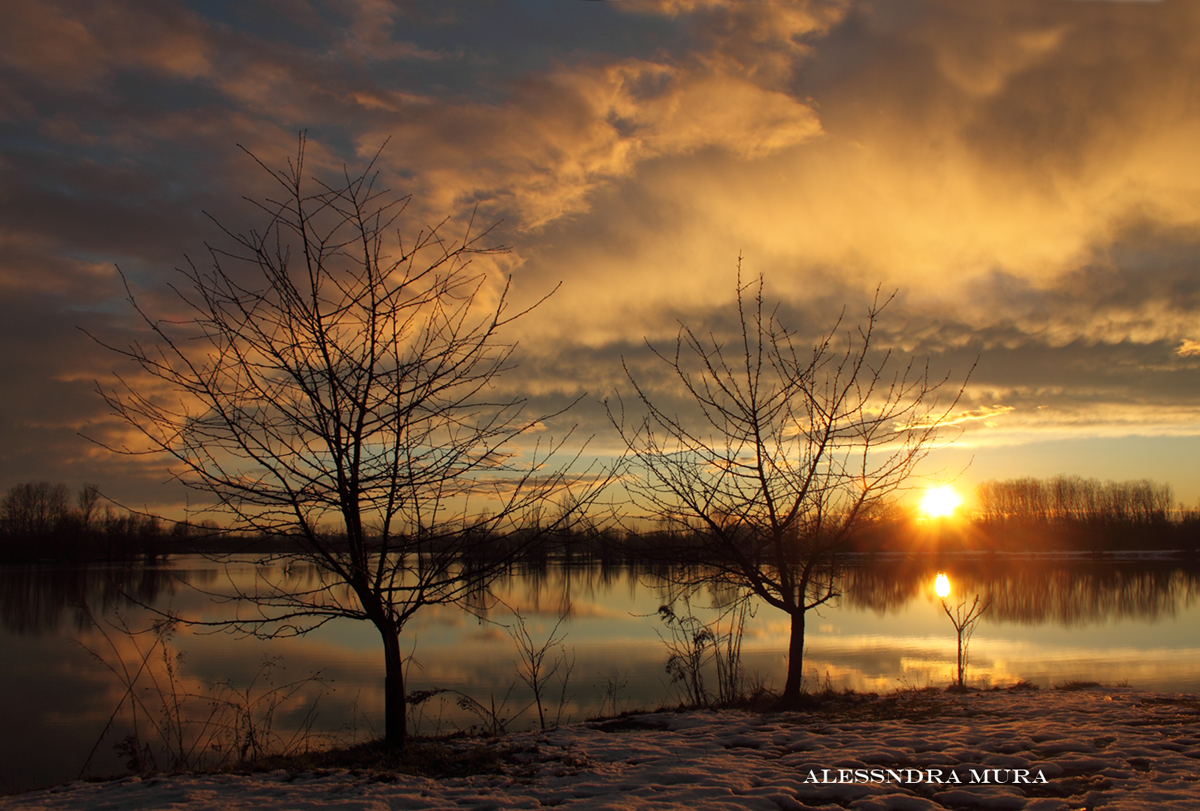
{"x": 422, "y": 757}
{"x": 1075, "y": 686}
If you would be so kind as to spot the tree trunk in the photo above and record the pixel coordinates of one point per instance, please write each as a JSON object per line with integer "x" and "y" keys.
{"x": 795, "y": 672}
{"x": 960, "y": 659}
{"x": 395, "y": 702}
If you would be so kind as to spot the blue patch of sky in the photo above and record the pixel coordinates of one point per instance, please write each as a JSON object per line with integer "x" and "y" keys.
{"x": 480, "y": 45}
{"x": 142, "y": 96}
{"x": 271, "y": 22}
{"x": 148, "y": 92}
{"x": 171, "y": 173}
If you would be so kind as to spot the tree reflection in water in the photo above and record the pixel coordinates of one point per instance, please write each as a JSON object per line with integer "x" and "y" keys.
{"x": 1067, "y": 593}
{"x": 44, "y": 599}
{"x": 888, "y": 631}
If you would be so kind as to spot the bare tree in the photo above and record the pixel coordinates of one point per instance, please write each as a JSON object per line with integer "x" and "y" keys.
{"x": 335, "y": 384}
{"x": 536, "y": 670}
{"x": 87, "y": 499}
{"x": 34, "y": 509}
{"x": 964, "y": 620}
{"x": 789, "y": 454}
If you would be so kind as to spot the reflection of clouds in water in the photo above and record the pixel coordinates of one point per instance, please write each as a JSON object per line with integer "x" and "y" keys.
{"x": 612, "y": 635}
{"x": 871, "y": 663}
{"x": 591, "y": 610}
{"x": 755, "y": 633}
{"x": 437, "y": 616}
{"x": 60, "y": 701}
{"x": 488, "y": 634}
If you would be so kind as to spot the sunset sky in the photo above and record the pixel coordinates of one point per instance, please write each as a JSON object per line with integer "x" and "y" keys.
{"x": 1025, "y": 176}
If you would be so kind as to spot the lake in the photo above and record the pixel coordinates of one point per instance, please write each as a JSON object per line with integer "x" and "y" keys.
{"x": 65, "y": 705}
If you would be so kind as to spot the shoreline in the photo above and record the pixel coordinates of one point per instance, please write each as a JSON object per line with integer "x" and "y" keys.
{"x": 1115, "y": 747}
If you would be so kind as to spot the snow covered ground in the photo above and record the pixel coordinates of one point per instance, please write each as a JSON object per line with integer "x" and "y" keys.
{"x": 1043, "y": 750}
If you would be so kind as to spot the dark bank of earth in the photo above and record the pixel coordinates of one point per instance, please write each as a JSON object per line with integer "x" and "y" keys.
{"x": 1092, "y": 748}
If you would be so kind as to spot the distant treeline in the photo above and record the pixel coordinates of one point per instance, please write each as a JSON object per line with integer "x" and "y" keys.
{"x": 40, "y": 521}
{"x": 1074, "y": 513}
{"x": 1072, "y": 501}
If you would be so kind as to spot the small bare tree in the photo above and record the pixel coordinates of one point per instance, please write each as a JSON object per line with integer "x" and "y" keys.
{"x": 790, "y": 454}
{"x": 334, "y": 384}
{"x": 539, "y": 663}
{"x": 964, "y": 619}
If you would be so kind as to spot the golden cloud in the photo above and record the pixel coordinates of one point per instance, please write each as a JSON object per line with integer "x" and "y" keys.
{"x": 981, "y": 413}
{"x": 564, "y": 134}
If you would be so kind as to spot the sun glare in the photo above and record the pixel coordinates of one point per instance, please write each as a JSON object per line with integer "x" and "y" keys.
{"x": 940, "y": 502}
{"x": 942, "y": 585}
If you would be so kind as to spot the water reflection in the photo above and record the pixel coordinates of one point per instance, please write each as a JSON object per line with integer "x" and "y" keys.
{"x": 559, "y": 589}
{"x": 1067, "y": 593}
{"x": 1050, "y": 621}
{"x": 47, "y": 599}
{"x": 1037, "y": 592}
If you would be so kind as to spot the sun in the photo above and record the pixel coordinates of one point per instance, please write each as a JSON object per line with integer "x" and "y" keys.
{"x": 940, "y": 502}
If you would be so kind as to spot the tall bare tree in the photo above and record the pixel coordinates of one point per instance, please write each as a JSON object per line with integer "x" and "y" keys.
{"x": 789, "y": 453}
{"x": 333, "y": 383}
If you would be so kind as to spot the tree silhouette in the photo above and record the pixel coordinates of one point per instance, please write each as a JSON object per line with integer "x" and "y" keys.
{"x": 34, "y": 510}
{"x": 333, "y": 383}
{"x": 790, "y": 455}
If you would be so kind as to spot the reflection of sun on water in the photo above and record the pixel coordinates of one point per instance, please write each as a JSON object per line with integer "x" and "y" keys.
{"x": 942, "y": 585}
{"x": 940, "y": 502}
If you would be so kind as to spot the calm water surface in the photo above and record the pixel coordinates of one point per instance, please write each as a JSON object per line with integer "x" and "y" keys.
{"x": 1128, "y": 622}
